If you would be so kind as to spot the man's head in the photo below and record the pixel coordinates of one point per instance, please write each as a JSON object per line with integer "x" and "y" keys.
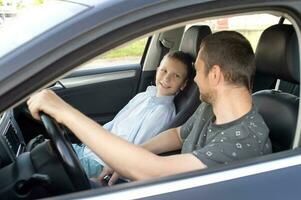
{"x": 225, "y": 57}
{"x": 172, "y": 74}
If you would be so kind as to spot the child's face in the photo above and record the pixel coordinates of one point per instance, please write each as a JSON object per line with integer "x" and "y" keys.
{"x": 171, "y": 77}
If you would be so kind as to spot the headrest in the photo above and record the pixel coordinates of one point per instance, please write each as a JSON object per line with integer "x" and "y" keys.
{"x": 188, "y": 100}
{"x": 277, "y": 53}
{"x": 192, "y": 39}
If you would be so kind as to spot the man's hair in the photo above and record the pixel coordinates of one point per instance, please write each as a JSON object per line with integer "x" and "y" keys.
{"x": 233, "y": 53}
{"x": 184, "y": 58}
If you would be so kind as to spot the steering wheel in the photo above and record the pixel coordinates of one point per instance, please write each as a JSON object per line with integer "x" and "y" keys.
{"x": 68, "y": 157}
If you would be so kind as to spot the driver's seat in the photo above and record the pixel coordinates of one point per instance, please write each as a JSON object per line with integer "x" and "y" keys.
{"x": 277, "y": 56}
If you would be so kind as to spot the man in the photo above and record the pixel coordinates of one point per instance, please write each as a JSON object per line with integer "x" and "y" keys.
{"x": 225, "y": 128}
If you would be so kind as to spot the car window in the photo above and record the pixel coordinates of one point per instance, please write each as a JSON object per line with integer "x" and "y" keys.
{"x": 127, "y": 54}
{"x": 251, "y": 26}
{"x": 222, "y": 177}
{"x": 26, "y": 20}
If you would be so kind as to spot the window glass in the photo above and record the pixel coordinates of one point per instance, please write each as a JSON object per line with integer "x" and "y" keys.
{"x": 251, "y": 26}
{"x": 130, "y": 53}
{"x": 25, "y": 20}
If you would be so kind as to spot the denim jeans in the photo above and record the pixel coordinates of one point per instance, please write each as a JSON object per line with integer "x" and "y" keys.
{"x": 91, "y": 167}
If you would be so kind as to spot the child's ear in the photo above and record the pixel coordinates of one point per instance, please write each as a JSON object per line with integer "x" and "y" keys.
{"x": 183, "y": 85}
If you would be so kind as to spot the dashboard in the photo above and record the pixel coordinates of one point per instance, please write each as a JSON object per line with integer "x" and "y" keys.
{"x": 12, "y": 143}
{"x": 30, "y": 166}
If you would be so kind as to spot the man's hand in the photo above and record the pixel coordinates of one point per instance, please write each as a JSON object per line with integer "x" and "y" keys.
{"x": 108, "y": 173}
{"x": 47, "y": 101}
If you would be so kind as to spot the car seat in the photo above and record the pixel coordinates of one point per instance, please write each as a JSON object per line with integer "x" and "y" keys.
{"x": 277, "y": 56}
{"x": 188, "y": 100}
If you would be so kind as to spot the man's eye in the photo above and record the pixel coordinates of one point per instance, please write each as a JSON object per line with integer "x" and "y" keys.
{"x": 177, "y": 76}
{"x": 163, "y": 70}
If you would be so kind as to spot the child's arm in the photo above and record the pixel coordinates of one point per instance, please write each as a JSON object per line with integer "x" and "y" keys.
{"x": 128, "y": 160}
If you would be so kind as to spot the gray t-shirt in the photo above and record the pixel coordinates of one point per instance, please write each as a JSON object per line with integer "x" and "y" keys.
{"x": 214, "y": 144}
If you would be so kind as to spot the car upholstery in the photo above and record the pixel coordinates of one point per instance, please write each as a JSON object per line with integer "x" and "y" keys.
{"x": 277, "y": 56}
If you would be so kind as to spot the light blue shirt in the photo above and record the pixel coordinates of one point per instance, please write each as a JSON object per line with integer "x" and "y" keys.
{"x": 142, "y": 118}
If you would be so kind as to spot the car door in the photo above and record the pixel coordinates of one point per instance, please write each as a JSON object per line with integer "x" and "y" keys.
{"x": 104, "y": 85}
{"x": 248, "y": 180}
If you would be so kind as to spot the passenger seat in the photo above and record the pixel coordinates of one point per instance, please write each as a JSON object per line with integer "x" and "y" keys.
{"x": 188, "y": 100}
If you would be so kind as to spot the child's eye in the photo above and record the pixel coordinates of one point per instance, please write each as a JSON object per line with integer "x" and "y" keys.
{"x": 177, "y": 76}
{"x": 163, "y": 70}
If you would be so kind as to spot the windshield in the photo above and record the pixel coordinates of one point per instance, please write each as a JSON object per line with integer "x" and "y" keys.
{"x": 21, "y": 20}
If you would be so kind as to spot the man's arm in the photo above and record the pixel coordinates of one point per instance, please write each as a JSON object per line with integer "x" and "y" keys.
{"x": 128, "y": 160}
{"x": 166, "y": 141}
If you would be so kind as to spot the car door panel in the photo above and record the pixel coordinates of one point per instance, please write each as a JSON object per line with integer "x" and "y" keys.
{"x": 100, "y": 92}
{"x": 247, "y": 188}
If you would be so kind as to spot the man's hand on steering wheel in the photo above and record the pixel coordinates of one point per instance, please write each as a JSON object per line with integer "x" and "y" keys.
{"x": 48, "y": 102}
{"x": 49, "y": 108}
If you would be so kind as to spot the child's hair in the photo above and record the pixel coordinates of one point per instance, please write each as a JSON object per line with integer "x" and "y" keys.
{"x": 184, "y": 58}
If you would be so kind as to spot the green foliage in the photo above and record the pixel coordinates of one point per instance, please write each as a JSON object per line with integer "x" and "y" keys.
{"x": 1, "y": 2}
{"x": 133, "y": 49}
{"x": 38, "y": 1}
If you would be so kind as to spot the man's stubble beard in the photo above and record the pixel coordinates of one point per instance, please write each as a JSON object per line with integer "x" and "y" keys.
{"x": 207, "y": 97}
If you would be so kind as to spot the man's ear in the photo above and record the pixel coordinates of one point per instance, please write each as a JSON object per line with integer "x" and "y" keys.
{"x": 215, "y": 74}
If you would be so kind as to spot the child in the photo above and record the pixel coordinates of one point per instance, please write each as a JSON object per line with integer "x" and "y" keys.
{"x": 148, "y": 112}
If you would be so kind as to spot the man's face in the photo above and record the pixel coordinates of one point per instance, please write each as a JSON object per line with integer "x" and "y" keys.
{"x": 202, "y": 81}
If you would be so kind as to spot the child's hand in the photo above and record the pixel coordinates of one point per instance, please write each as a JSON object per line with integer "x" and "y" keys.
{"x": 48, "y": 102}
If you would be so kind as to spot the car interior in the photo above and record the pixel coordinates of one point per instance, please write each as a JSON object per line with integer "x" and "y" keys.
{"x": 42, "y": 169}
{"x": 187, "y": 100}
{"x": 278, "y": 108}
